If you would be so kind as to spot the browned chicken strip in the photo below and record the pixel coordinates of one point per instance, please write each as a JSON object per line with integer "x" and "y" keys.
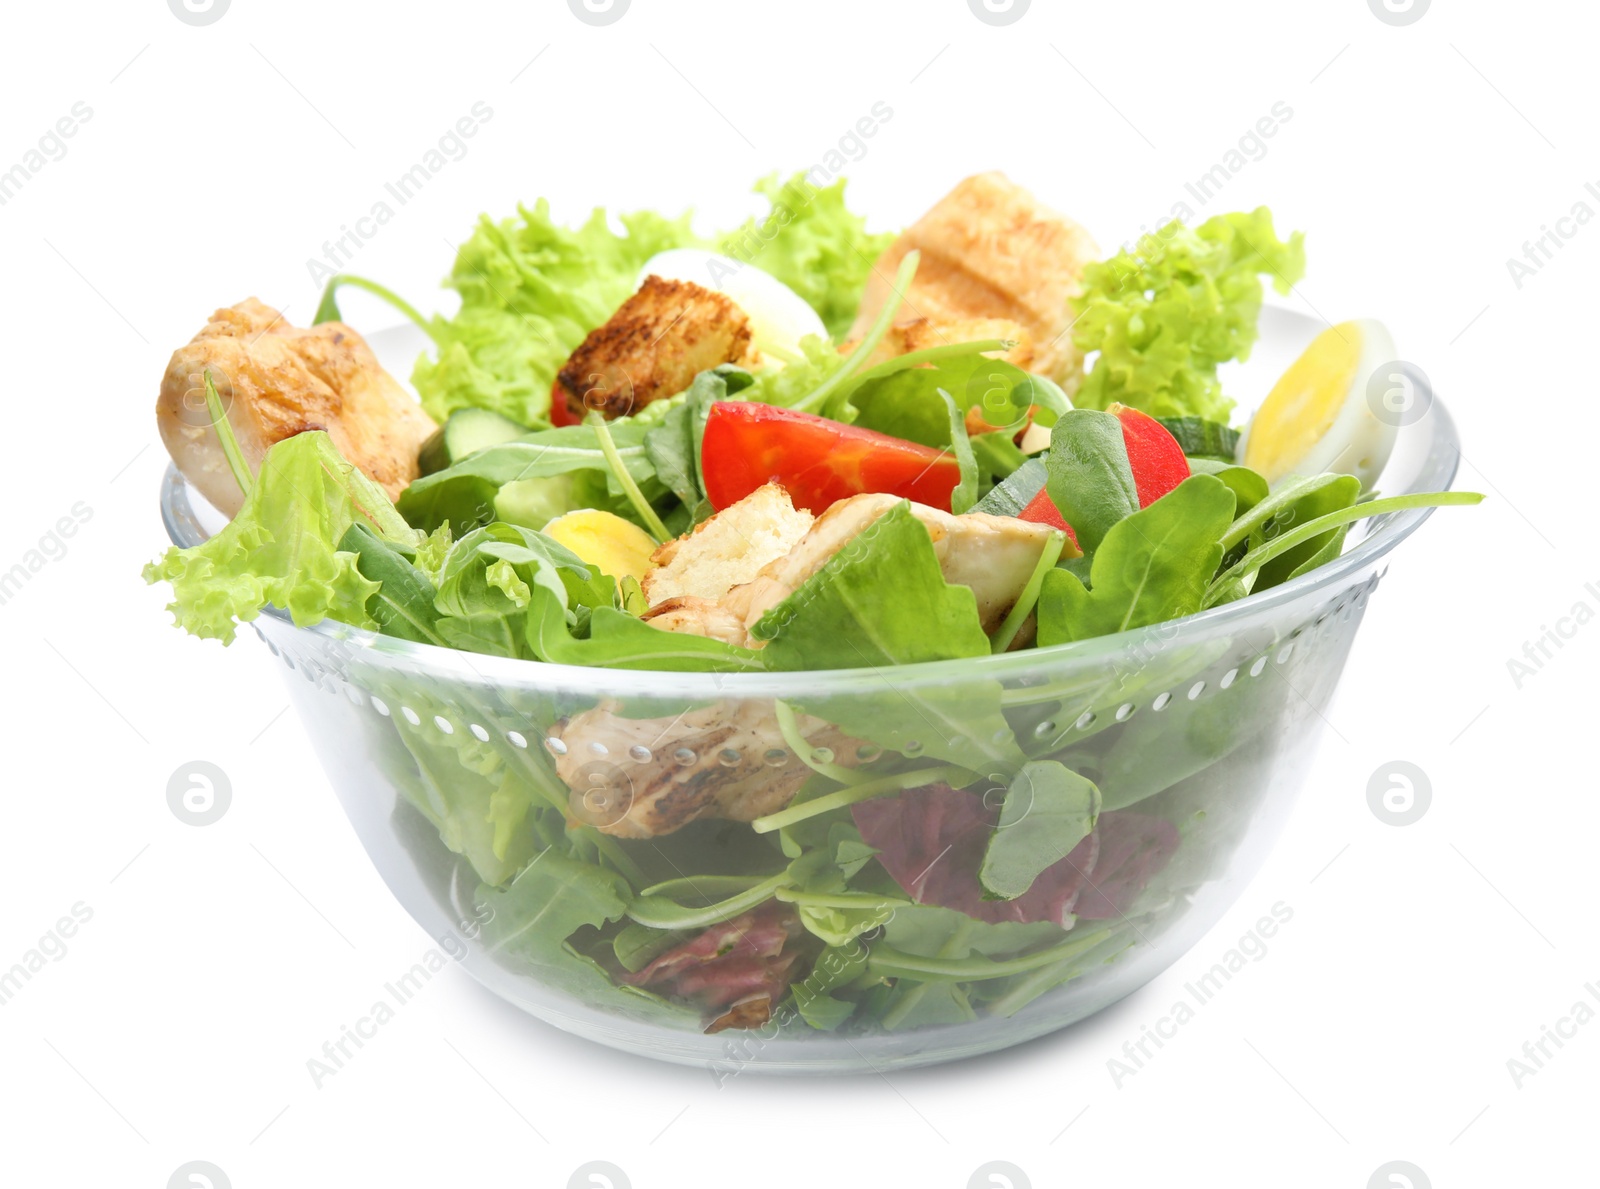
{"x": 640, "y": 777}
{"x": 653, "y": 347}
{"x": 276, "y": 381}
{"x": 990, "y": 250}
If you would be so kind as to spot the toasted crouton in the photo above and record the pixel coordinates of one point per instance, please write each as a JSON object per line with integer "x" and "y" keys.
{"x": 990, "y": 250}
{"x": 918, "y": 334}
{"x": 653, "y": 347}
{"x": 728, "y": 549}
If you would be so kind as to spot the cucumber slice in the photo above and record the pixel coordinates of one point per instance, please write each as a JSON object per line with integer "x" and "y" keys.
{"x": 1200, "y": 438}
{"x": 466, "y": 432}
{"x": 533, "y": 503}
{"x": 1015, "y": 492}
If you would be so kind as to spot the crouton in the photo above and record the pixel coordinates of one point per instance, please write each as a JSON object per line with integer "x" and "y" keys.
{"x": 653, "y": 347}
{"x": 727, "y": 550}
{"x": 990, "y": 250}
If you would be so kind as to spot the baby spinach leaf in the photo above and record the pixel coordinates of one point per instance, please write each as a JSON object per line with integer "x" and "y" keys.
{"x": 1153, "y": 566}
{"x": 403, "y": 605}
{"x": 880, "y": 600}
{"x": 1048, "y": 810}
{"x": 1090, "y": 478}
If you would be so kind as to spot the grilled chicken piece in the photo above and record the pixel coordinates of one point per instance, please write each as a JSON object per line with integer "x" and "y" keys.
{"x": 729, "y": 549}
{"x": 990, "y": 250}
{"x": 653, "y": 346}
{"x": 993, "y": 555}
{"x": 276, "y": 381}
{"x": 921, "y": 333}
{"x": 726, "y": 760}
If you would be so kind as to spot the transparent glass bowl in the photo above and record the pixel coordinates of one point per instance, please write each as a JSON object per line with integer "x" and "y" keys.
{"x": 455, "y": 769}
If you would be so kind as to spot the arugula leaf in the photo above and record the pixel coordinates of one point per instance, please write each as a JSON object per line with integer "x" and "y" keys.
{"x": 616, "y": 640}
{"x": 1342, "y": 493}
{"x": 997, "y": 454}
{"x": 673, "y": 445}
{"x": 965, "y": 492}
{"x": 845, "y": 617}
{"x": 1248, "y": 487}
{"x": 1165, "y": 315}
{"x": 1224, "y": 583}
{"x": 531, "y": 921}
{"x": 463, "y": 495}
{"x": 489, "y": 579}
{"x": 403, "y": 604}
{"x": 1055, "y": 808}
{"x": 1152, "y": 566}
{"x": 283, "y": 547}
{"x": 1090, "y": 478}
{"x": 900, "y": 396}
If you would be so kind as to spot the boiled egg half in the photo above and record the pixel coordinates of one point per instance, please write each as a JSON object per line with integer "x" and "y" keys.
{"x": 779, "y": 317}
{"x": 1322, "y": 414}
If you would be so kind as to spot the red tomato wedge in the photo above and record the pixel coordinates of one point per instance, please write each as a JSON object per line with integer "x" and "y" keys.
{"x": 560, "y": 412}
{"x": 1042, "y": 509}
{"x": 816, "y": 460}
{"x": 1154, "y": 456}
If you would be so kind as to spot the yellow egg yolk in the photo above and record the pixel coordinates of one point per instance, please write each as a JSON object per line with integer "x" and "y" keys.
{"x": 1304, "y": 403}
{"x": 605, "y": 540}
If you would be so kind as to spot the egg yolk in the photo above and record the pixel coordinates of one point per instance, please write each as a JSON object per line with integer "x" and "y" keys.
{"x": 1304, "y": 403}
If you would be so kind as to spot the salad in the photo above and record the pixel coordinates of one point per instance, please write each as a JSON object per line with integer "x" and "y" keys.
{"x": 793, "y": 446}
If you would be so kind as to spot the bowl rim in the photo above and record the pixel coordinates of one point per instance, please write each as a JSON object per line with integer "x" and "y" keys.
{"x": 1440, "y": 459}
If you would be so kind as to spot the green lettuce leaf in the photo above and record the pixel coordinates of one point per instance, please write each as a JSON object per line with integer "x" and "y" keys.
{"x": 811, "y": 242}
{"x": 1165, "y": 315}
{"x": 283, "y": 548}
{"x": 531, "y": 290}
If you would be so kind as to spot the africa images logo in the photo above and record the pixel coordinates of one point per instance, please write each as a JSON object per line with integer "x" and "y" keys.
{"x": 199, "y": 12}
{"x": 999, "y": 12}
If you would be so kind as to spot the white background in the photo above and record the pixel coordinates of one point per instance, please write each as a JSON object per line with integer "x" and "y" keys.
{"x": 217, "y": 161}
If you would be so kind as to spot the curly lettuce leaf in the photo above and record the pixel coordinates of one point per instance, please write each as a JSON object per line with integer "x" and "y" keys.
{"x": 284, "y": 546}
{"x": 811, "y": 242}
{"x": 530, "y": 291}
{"x": 1165, "y": 315}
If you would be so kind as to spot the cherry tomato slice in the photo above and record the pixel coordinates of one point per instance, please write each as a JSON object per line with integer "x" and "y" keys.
{"x": 560, "y": 411}
{"x": 1042, "y": 509}
{"x": 1154, "y": 456}
{"x": 818, "y": 461}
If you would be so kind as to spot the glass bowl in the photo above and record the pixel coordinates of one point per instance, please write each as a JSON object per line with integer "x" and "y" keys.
{"x": 858, "y": 938}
